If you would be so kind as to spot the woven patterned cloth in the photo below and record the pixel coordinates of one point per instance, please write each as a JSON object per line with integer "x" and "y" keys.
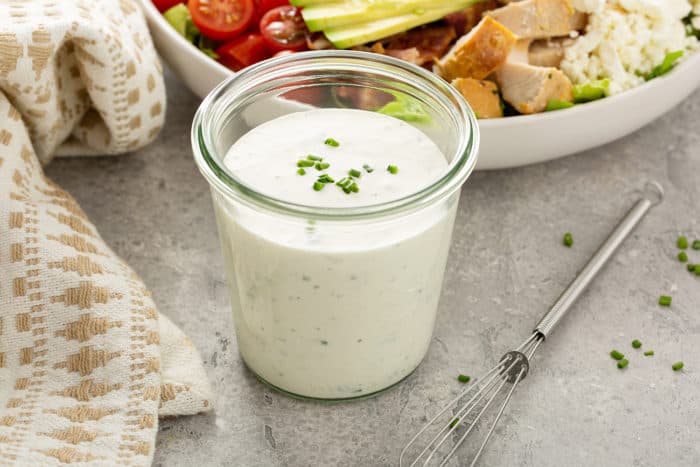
{"x": 86, "y": 363}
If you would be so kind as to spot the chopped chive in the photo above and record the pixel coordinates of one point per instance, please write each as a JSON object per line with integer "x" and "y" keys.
{"x": 697, "y": 269}
{"x": 649, "y": 353}
{"x": 344, "y": 181}
{"x": 301, "y": 172}
{"x": 311, "y": 157}
{"x": 568, "y": 239}
{"x": 691, "y": 267}
{"x": 696, "y": 244}
{"x": 616, "y": 355}
{"x": 636, "y": 343}
{"x": 682, "y": 257}
{"x": 623, "y": 363}
{"x": 464, "y": 379}
{"x": 355, "y": 173}
{"x": 393, "y": 169}
{"x": 331, "y": 142}
{"x": 325, "y": 178}
{"x": 665, "y": 300}
{"x": 318, "y": 186}
{"x": 682, "y": 242}
{"x": 368, "y": 168}
{"x": 354, "y": 188}
{"x": 324, "y": 342}
{"x": 303, "y": 163}
{"x": 322, "y": 165}
{"x": 677, "y": 366}
{"x": 454, "y": 422}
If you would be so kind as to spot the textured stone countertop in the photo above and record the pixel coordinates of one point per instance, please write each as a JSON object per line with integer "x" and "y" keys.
{"x": 507, "y": 266}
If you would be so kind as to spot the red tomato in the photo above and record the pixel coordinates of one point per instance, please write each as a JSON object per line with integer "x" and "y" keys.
{"x": 165, "y": 5}
{"x": 243, "y": 51}
{"x": 221, "y": 20}
{"x": 283, "y": 28}
{"x": 266, "y": 5}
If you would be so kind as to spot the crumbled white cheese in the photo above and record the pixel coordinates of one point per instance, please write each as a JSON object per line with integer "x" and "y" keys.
{"x": 625, "y": 38}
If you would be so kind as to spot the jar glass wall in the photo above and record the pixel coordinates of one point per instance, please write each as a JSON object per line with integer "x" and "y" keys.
{"x": 334, "y": 303}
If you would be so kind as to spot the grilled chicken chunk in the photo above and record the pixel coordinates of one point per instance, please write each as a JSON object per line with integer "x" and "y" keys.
{"x": 482, "y": 96}
{"x": 529, "y": 88}
{"x": 536, "y": 19}
{"x": 548, "y": 52}
{"x": 477, "y": 54}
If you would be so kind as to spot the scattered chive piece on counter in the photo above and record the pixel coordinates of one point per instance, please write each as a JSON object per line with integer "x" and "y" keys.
{"x": 697, "y": 269}
{"x": 318, "y": 186}
{"x": 682, "y": 242}
{"x": 331, "y": 142}
{"x": 568, "y": 239}
{"x": 696, "y": 244}
{"x": 623, "y": 363}
{"x": 464, "y": 379}
{"x": 454, "y": 422}
{"x": 649, "y": 353}
{"x": 311, "y": 157}
{"x": 636, "y": 343}
{"x": 355, "y": 173}
{"x": 616, "y": 355}
{"x": 368, "y": 168}
{"x": 682, "y": 257}
{"x": 303, "y": 163}
{"x": 301, "y": 171}
{"x": 393, "y": 169}
{"x": 691, "y": 267}
{"x": 665, "y": 300}
{"x": 677, "y": 366}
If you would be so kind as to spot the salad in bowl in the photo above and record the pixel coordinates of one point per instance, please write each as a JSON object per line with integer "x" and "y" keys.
{"x": 613, "y": 65}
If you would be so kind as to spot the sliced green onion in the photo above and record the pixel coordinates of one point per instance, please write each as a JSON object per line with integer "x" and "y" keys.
{"x": 623, "y": 363}
{"x": 636, "y": 343}
{"x": 682, "y": 257}
{"x": 665, "y": 300}
{"x": 393, "y": 169}
{"x": 616, "y": 355}
{"x": 696, "y": 244}
{"x": 301, "y": 172}
{"x": 682, "y": 242}
{"x": 318, "y": 186}
{"x": 568, "y": 239}
{"x": 355, "y": 173}
{"x": 303, "y": 163}
{"x": 331, "y": 142}
{"x": 368, "y": 168}
{"x": 649, "y": 353}
{"x": 677, "y": 366}
{"x": 464, "y": 379}
{"x": 311, "y": 157}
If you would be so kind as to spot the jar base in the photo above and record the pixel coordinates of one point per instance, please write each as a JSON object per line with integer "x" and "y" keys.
{"x": 334, "y": 400}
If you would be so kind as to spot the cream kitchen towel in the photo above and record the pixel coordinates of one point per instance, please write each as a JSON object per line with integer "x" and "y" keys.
{"x": 86, "y": 363}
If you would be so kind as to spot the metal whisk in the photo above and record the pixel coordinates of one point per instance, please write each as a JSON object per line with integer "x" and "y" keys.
{"x": 514, "y": 365}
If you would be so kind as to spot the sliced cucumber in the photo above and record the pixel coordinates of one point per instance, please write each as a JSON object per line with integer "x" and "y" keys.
{"x": 355, "y": 34}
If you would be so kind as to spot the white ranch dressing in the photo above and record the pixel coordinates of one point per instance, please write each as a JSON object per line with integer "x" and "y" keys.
{"x": 335, "y": 309}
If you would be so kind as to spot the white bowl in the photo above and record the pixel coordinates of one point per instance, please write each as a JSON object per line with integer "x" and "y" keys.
{"x": 505, "y": 142}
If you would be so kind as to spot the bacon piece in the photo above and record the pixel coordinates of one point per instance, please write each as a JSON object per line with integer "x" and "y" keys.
{"x": 464, "y": 21}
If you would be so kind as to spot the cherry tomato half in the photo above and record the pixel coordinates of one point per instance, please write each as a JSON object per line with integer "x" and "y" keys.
{"x": 165, "y": 5}
{"x": 283, "y": 28}
{"x": 221, "y": 20}
{"x": 266, "y": 5}
{"x": 243, "y": 51}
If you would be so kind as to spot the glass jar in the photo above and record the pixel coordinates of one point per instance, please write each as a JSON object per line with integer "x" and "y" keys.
{"x": 334, "y": 303}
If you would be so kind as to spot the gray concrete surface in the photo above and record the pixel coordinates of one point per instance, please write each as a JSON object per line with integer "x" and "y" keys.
{"x": 507, "y": 265}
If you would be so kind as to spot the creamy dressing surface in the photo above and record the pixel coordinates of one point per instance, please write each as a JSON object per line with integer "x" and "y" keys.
{"x": 334, "y": 309}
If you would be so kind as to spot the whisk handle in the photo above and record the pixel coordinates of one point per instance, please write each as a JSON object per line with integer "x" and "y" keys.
{"x": 652, "y": 195}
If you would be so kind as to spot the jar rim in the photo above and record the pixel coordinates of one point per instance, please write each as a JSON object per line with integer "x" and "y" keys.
{"x": 461, "y": 164}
